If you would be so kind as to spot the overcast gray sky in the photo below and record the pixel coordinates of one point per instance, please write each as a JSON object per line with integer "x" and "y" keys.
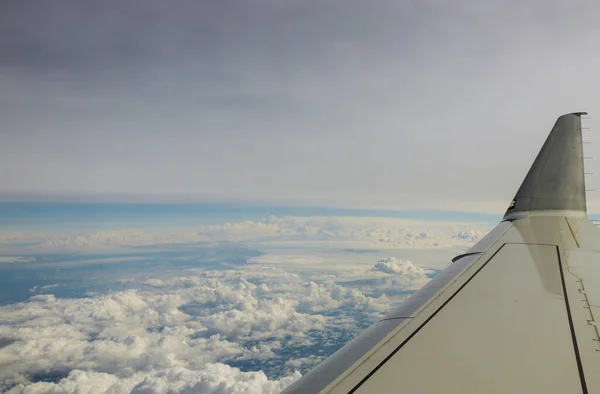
{"x": 399, "y": 104}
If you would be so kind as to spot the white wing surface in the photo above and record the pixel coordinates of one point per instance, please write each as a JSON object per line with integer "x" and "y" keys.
{"x": 518, "y": 313}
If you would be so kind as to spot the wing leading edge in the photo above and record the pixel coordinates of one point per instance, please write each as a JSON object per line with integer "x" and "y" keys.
{"x": 517, "y": 313}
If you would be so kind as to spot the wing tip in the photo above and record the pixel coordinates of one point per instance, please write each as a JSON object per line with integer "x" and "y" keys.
{"x": 555, "y": 182}
{"x": 579, "y": 114}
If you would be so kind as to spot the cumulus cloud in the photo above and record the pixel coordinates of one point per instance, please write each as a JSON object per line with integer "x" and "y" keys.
{"x": 154, "y": 282}
{"x": 43, "y": 298}
{"x": 173, "y": 338}
{"x": 403, "y": 267}
{"x": 210, "y": 378}
{"x": 470, "y": 235}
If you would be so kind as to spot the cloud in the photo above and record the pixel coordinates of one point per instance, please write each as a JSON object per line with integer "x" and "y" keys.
{"x": 470, "y": 235}
{"x": 333, "y": 232}
{"x": 43, "y": 288}
{"x": 177, "y": 338}
{"x": 312, "y": 285}
{"x": 403, "y": 267}
{"x": 210, "y": 378}
{"x": 45, "y": 298}
{"x": 16, "y": 260}
{"x": 154, "y": 282}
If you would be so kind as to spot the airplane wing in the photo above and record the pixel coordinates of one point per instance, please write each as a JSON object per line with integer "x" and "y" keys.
{"x": 518, "y": 313}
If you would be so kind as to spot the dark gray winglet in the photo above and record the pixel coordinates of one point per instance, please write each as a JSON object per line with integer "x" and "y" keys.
{"x": 556, "y": 179}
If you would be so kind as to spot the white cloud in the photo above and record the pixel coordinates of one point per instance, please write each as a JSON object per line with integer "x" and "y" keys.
{"x": 43, "y": 298}
{"x": 172, "y": 337}
{"x": 52, "y": 286}
{"x": 403, "y": 267}
{"x": 470, "y": 235}
{"x": 210, "y": 378}
{"x": 299, "y": 362}
{"x": 333, "y": 232}
{"x": 15, "y": 260}
{"x": 43, "y": 288}
{"x": 154, "y": 282}
{"x": 177, "y": 333}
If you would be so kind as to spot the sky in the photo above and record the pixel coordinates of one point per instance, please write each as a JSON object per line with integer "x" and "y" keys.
{"x": 379, "y": 104}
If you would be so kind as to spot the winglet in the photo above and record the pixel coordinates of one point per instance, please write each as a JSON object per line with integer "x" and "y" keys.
{"x": 555, "y": 181}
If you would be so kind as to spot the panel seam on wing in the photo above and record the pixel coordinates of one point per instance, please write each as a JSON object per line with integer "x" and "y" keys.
{"x": 581, "y": 290}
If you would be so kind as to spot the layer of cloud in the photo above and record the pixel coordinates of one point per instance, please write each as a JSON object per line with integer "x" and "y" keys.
{"x": 174, "y": 334}
{"x": 210, "y": 379}
{"x": 334, "y": 232}
{"x": 310, "y": 285}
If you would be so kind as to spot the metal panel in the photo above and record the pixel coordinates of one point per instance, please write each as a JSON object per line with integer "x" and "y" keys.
{"x": 506, "y": 331}
{"x": 586, "y": 233}
{"x": 582, "y": 279}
